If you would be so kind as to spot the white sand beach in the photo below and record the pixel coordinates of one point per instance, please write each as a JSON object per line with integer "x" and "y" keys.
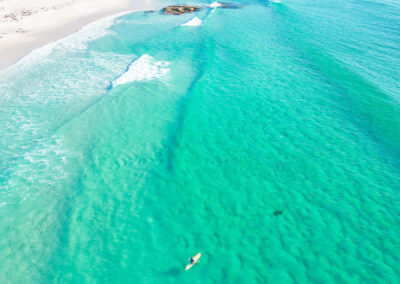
{"x": 26, "y": 24}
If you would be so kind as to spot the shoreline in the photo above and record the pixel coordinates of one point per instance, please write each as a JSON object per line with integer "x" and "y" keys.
{"x": 14, "y": 47}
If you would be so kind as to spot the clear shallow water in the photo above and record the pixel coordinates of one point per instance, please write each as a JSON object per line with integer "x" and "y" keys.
{"x": 138, "y": 142}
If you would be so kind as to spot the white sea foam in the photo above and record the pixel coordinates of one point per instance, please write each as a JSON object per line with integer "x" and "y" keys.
{"x": 90, "y": 32}
{"x": 86, "y": 34}
{"x": 143, "y": 69}
{"x": 193, "y": 22}
{"x": 215, "y": 5}
{"x": 75, "y": 41}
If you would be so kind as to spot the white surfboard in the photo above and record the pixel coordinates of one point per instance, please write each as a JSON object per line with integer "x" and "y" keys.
{"x": 196, "y": 259}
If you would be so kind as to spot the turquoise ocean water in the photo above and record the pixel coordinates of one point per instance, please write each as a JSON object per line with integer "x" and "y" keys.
{"x": 137, "y": 142}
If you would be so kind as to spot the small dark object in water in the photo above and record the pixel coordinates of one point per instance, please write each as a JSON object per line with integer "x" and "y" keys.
{"x": 228, "y": 5}
{"x": 278, "y": 212}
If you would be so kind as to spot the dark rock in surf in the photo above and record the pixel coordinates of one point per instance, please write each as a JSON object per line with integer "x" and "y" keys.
{"x": 227, "y": 5}
{"x": 180, "y": 9}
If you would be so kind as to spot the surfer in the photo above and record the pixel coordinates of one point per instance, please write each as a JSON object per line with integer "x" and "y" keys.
{"x": 193, "y": 260}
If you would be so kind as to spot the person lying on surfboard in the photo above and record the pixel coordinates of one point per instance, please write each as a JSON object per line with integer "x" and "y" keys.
{"x": 193, "y": 260}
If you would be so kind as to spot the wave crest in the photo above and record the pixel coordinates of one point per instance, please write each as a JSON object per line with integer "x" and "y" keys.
{"x": 144, "y": 68}
{"x": 193, "y": 22}
{"x": 215, "y": 4}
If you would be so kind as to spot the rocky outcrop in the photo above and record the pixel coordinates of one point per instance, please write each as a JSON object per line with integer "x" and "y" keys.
{"x": 180, "y": 9}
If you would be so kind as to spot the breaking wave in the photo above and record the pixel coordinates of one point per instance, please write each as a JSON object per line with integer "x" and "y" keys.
{"x": 193, "y": 22}
{"x": 144, "y": 68}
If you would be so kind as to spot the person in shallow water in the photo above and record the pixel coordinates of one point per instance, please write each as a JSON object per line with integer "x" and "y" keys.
{"x": 192, "y": 261}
